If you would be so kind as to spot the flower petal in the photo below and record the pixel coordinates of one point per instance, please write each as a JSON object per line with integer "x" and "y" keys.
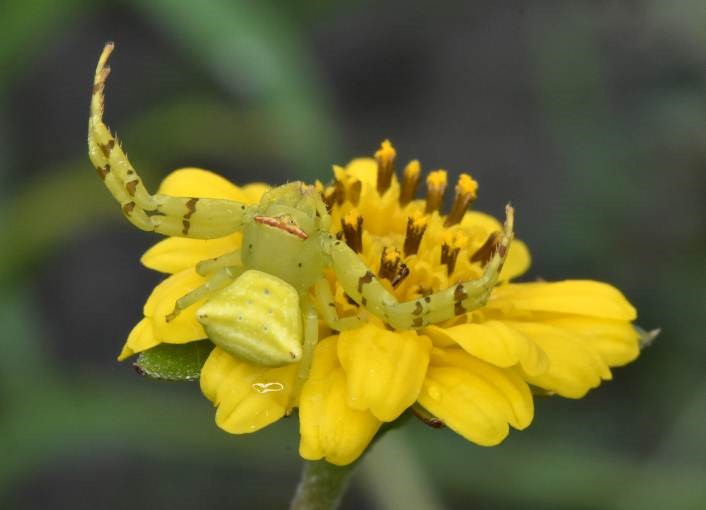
{"x": 329, "y": 428}
{"x": 175, "y": 254}
{"x": 517, "y": 262}
{"x": 140, "y": 339}
{"x": 576, "y": 297}
{"x": 494, "y": 342}
{"x": 249, "y": 397}
{"x": 574, "y": 366}
{"x": 384, "y": 369}
{"x": 616, "y": 341}
{"x": 475, "y": 399}
{"x": 184, "y": 328}
{"x": 194, "y": 182}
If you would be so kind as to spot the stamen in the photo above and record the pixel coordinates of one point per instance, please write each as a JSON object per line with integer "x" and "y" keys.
{"x": 409, "y": 182}
{"x": 352, "y": 225}
{"x": 436, "y": 185}
{"x": 389, "y": 263}
{"x": 385, "y": 157}
{"x": 450, "y": 248}
{"x": 466, "y": 193}
{"x": 486, "y": 251}
{"x": 354, "y": 192}
{"x": 415, "y": 230}
{"x": 329, "y": 197}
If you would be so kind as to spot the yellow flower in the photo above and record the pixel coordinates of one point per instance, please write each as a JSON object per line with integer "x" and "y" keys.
{"x": 475, "y": 373}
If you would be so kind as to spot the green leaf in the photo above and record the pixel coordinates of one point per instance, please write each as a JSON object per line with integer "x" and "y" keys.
{"x": 174, "y": 362}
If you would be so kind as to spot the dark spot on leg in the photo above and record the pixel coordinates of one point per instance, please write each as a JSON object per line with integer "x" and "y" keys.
{"x": 187, "y": 226}
{"x": 418, "y": 322}
{"x": 459, "y": 296}
{"x": 364, "y": 280}
{"x": 132, "y": 186}
{"x": 103, "y": 171}
{"x": 190, "y": 207}
{"x": 418, "y": 308}
{"x": 363, "y": 301}
{"x": 127, "y": 208}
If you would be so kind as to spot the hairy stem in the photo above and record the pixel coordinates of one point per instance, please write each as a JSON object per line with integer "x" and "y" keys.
{"x": 321, "y": 486}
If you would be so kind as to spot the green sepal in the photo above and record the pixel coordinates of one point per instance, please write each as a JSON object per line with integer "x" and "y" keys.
{"x": 174, "y": 362}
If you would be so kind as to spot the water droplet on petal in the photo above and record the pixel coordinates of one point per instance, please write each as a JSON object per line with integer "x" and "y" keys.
{"x": 268, "y": 387}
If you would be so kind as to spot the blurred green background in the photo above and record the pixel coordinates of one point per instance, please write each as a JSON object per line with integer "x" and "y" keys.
{"x": 589, "y": 116}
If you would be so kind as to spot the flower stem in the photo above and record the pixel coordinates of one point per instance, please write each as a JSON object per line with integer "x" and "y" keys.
{"x": 321, "y": 486}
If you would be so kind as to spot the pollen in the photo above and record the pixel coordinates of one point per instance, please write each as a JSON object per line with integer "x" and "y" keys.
{"x": 436, "y": 185}
{"x": 389, "y": 263}
{"x": 385, "y": 157}
{"x": 466, "y": 193}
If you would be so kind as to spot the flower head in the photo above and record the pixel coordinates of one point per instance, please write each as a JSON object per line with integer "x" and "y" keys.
{"x": 475, "y": 373}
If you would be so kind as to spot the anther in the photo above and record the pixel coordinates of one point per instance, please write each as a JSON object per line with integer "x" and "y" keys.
{"x": 485, "y": 252}
{"x": 450, "y": 248}
{"x": 385, "y": 157}
{"x": 352, "y": 225}
{"x": 415, "y": 231}
{"x": 410, "y": 180}
{"x": 436, "y": 185}
{"x": 354, "y": 192}
{"x": 466, "y": 193}
{"x": 389, "y": 263}
{"x": 329, "y": 197}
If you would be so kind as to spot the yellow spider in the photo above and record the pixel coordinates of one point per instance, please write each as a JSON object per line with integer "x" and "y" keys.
{"x": 260, "y": 304}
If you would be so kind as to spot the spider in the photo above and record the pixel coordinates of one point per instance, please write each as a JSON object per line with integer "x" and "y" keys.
{"x": 262, "y": 299}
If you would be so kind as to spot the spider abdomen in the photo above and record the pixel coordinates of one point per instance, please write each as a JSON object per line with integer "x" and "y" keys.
{"x": 257, "y": 318}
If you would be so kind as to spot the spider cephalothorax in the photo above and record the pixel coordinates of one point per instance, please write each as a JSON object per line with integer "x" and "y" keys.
{"x": 264, "y": 300}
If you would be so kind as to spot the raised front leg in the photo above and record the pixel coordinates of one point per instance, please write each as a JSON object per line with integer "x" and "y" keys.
{"x": 202, "y": 218}
{"x": 359, "y": 282}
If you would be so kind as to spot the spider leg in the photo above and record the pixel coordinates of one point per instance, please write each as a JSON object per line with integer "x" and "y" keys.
{"x": 217, "y": 281}
{"x": 207, "y": 267}
{"x": 359, "y": 282}
{"x": 311, "y": 338}
{"x": 327, "y": 305}
{"x": 202, "y": 218}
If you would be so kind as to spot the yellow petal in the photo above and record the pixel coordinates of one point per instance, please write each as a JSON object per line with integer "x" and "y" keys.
{"x": 365, "y": 170}
{"x": 576, "y": 297}
{"x": 508, "y": 383}
{"x": 494, "y": 342}
{"x": 140, "y": 339}
{"x": 249, "y": 397}
{"x": 329, "y": 428}
{"x": 184, "y": 328}
{"x": 194, "y": 182}
{"x": 175, "y": 254}
{"x": 517, "y": 262}
{"x": 616, "y": 341}
{"x": 475, "y": 399}
{"x": 574, "y": 366}
{"x": 384, "y": 369}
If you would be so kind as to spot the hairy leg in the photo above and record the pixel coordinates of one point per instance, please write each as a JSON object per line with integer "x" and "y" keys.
{"x": 203, "y": 218}
{"x": 360, "y": 283}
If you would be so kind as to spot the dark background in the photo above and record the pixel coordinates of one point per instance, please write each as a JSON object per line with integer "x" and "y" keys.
{"x": 589, "y": 116}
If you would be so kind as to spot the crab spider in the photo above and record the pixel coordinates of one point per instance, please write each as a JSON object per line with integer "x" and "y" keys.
{"x": 262, "y": 299}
